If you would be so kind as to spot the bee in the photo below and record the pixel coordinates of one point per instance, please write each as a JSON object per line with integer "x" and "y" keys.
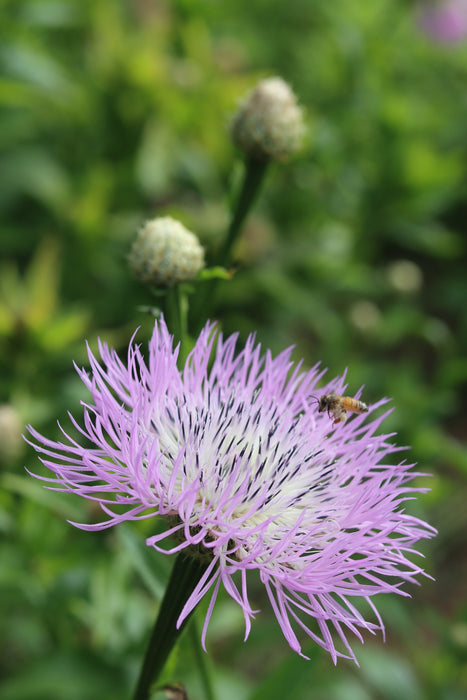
{"x": 337, "y": 406}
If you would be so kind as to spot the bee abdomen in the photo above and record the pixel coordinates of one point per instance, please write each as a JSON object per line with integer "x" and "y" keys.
{"x": 358, "y": 406}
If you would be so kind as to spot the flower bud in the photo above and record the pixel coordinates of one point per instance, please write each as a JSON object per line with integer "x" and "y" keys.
{"x": 269, "y": 123}
{"x": 405, "y": 276}
{"x": 11, "y": 442}
{"x": 165, "y": 253}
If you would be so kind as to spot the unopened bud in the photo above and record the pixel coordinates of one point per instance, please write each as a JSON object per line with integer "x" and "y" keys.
{"x": 166, "y": 253}
{"x": 10, "y": 433}
{"x": 405, "y": 276}
{"x": 269, "y": 123}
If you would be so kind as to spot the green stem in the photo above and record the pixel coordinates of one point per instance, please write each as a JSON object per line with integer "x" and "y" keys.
{"x": 202, "y": 659}
{"x": 255, "y": 171}
{"x": 177, "y": 313}
{"x": 253, "y": 177}
{"x": 186, "y": 574}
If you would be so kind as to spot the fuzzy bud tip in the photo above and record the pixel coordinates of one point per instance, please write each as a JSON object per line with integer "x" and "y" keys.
{"x": 165, "y": 253}
{"x": 269, "y": 123}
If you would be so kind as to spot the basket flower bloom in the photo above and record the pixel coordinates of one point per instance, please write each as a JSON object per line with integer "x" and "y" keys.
{"x": 444, "y": 20}
{"x": 232, "y": 452}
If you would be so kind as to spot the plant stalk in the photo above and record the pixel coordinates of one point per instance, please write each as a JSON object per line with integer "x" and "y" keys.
{"x": 252, "y": 180}
{"x": 186, "y": 573}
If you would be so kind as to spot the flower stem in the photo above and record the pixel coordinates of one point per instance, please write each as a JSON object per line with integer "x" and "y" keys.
{"x": 255, "y": 171}
{"x": 177, "y": 312}
{"x": 202, "y": 660}
{"x": 186, "y": 573}
{"x": 253, "y": 177}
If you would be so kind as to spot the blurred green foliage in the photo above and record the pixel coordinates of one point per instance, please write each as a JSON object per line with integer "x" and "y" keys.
{"x": 113, "y": 112}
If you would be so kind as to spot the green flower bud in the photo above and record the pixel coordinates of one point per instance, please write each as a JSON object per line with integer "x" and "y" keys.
{"x": 269, "y": 123}
{"x": 165, "y": 253}
{"x": 11, "y": 442}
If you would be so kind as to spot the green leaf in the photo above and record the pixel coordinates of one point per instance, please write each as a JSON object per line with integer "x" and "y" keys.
{"x": 215, "y": 273}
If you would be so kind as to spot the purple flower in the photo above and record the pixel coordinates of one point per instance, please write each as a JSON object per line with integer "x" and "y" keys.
{"x": 445, "y": 21}
{"x": 233, "y": 453}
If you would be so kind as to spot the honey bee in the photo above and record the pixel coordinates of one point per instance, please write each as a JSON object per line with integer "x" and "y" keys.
{"x": 337, "y": 406}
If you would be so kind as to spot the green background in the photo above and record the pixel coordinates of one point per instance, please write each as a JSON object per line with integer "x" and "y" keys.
{"x": 115, "y": 112}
